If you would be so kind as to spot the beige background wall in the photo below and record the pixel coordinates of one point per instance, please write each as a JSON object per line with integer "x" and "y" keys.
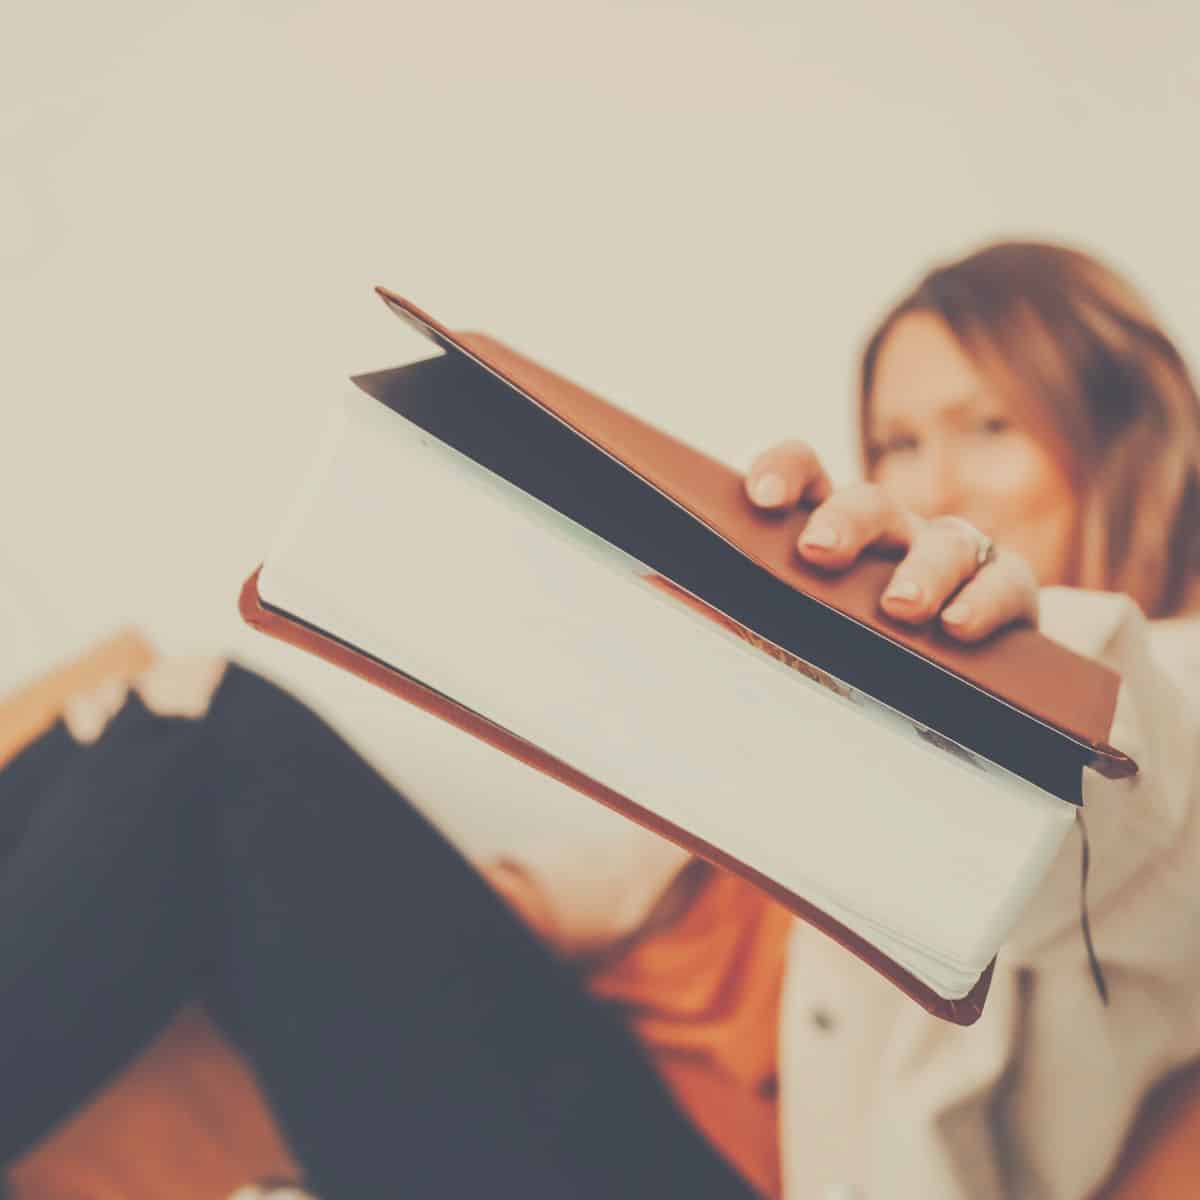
{"x": 694, "y": 208}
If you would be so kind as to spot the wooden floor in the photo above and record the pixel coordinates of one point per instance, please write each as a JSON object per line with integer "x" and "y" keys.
{"x": 184, "y": 1122}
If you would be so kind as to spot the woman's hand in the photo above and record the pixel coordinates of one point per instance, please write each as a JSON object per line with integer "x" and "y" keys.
{"x": 939, "y": 575}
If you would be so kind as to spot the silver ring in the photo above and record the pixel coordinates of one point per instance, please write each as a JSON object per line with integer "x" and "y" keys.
{"x": 985, "y": 548}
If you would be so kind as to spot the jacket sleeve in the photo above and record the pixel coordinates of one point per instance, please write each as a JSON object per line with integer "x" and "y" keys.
{"x": 1133, "y": 826}
{"x": 1084, "y": 1066}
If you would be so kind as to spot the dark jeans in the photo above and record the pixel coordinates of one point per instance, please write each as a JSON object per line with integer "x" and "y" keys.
{"x": 413, "y": 1037}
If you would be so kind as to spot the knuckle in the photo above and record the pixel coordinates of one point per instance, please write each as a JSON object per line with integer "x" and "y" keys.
{"x": 860, "y": 507}
{"x": 791, "y": 456}
{"x": 995, "y": 600}
{"x": 939, "y": 550}
{"x": 849, "y": 520}
{"x": 957, "y": 539}
{"x": 798, "y": 451}
{"x": 1019, "y": 568}
{"x": 865, "y": 497}
{"x": 1009, "y": 577}
{"x": 987, "y": 597}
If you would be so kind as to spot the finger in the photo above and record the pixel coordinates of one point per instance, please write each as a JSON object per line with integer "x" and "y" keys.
{"x": 1002, "y": 592}
{"x": 942, "y": 557}
{"x": 850, "y": 520}
{"x": 784, "y": 475}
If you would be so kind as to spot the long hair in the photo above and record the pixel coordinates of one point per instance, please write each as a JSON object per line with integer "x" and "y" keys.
{"x": 1077, "y": 348}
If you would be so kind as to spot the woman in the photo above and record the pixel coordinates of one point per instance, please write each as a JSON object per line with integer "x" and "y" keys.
{"x": 208, "y": 836}
{"x": 1027, "y": 389}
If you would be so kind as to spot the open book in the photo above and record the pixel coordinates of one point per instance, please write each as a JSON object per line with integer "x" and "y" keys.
{"x": 594, "y": 597}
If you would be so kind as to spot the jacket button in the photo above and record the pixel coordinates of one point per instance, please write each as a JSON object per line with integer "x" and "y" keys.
{"x": 822, "y": 1019}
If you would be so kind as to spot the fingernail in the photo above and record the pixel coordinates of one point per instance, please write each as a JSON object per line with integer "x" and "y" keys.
{"x": 820, "y": 535}
{"x": 959, "y": 613}
{"x": 904, "y": 590}
{"x": 768, "y": 489}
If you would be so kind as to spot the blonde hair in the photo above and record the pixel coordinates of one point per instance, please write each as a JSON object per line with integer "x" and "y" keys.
{"x": 1097, "y": 377}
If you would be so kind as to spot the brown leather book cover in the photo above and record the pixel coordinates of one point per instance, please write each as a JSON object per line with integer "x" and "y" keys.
{"x": 1021, "y": 667}
{"x": 1026, "y": 672}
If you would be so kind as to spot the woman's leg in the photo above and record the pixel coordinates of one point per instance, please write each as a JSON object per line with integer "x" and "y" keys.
{"x": 413, "y": 1037}
{"x": 98, "y": 931}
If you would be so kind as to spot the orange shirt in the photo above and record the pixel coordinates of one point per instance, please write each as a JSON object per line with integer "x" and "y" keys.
{"x": 702, "y": 995}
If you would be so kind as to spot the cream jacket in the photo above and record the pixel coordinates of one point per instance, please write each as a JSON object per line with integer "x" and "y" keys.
{"x": 878, "y": 1100}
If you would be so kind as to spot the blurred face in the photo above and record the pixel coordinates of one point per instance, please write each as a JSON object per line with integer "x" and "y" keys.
{"x": 946, "y": 440}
